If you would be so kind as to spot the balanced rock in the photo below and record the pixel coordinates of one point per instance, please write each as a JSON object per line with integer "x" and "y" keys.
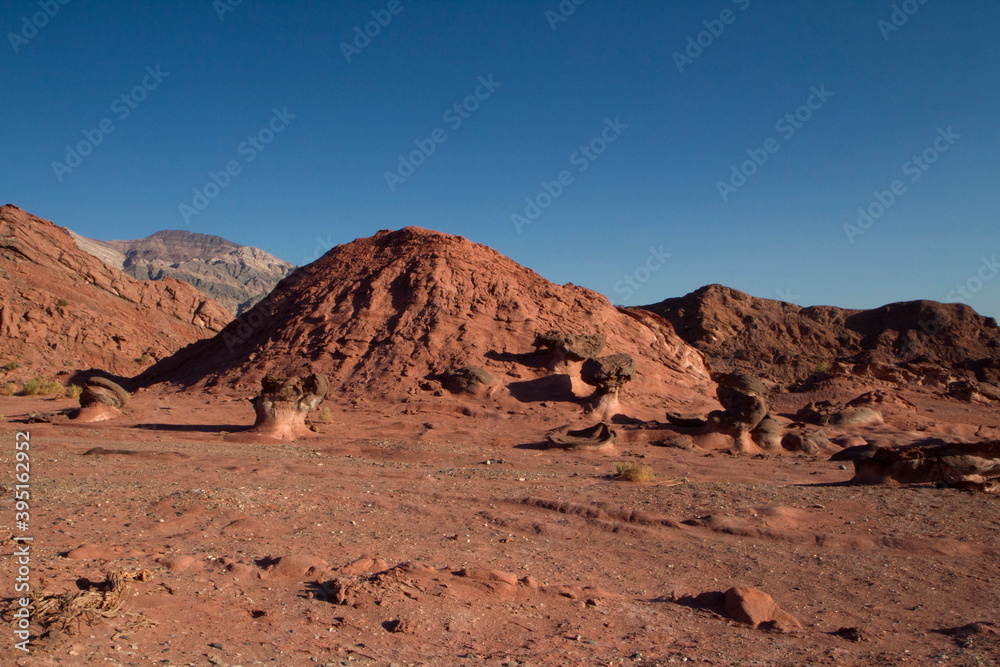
{"x": 571, "y": 347}
{"x": 607, "y": 375}
{"x": 283, "y": 404}
{"x": 743, "y": 397}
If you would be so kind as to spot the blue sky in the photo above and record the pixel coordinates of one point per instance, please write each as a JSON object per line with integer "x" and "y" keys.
{"x": 654, "y": 138}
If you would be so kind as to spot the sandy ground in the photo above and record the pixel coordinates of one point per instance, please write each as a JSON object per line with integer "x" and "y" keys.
{"x": 459, "y": 539}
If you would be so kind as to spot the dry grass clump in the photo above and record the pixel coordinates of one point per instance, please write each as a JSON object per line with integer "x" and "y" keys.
{"x": 73, "y": 391}
{"x": 41, "y": 387}
{"x": 104, "y": 600}
{"x": 325, "y": 416}
{"x": 633, "y": 471}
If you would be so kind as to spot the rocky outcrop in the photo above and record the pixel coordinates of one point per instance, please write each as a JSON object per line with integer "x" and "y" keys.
{"x": 966, "y": 465}
{"x": 63, "y": 308}
{"x": 235, "y": 276}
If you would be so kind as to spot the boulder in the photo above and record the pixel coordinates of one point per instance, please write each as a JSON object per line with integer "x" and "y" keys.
{"x": 768, "y": 433}
{"x": 283, "y": 404}
{"x": 467, "y": 380}
{"x": 754, "y": 607}
{"x": 806, "y": 441}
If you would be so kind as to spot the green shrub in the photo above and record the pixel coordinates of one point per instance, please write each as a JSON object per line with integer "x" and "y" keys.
{"x": 9, "y": 389}
{"x": 41, "y": 387}
{"x": 143, "y": 360}
{"x": 62, "y": 303}
{"x": 823, "y": 367}
{"x": 68, "y": 363}
{"x": 73, "y": 391}
{"x": 12, "y": 366}
{"x": 633, "y": 471}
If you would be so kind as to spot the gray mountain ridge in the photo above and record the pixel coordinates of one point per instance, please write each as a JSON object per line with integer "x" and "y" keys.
{"x": 234, "y": 275}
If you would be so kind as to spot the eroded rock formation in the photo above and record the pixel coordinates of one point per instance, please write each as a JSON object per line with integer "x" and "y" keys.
{"x": 100, "y": 400}
{"x": 607, "y": 375}
{"x": 973, "y": 465}
{"x": 283, "y": 404}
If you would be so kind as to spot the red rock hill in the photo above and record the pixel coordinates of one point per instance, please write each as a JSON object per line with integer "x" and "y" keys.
{"x": 63, "y": 309}
{"x": 380, "y": 315}
{"x": 785, "y": 342}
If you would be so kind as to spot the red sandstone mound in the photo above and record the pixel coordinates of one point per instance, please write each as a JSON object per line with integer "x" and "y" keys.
{"x": 913, "y": 342}
{"x": 63, "y": 308}
{"x": 386, "y": 315}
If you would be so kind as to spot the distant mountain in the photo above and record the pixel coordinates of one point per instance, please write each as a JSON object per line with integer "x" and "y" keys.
{"x": 62, "y": 310}
{"x": 910, "y": 340}
{"x": 236, "y": 276}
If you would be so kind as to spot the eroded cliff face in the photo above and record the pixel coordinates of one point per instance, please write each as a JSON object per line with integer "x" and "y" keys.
{"x": 63, "y": 309}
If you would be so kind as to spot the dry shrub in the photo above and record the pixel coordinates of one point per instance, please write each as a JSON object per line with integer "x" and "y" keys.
{"x": 105, "y": 600}
{"x": 632, "y": 471}
{"x": 73, "y": 391}
{"x": 325, "y": 416}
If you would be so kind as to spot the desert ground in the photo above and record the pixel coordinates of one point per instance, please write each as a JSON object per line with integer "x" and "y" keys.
{"x": 445, "y": 531}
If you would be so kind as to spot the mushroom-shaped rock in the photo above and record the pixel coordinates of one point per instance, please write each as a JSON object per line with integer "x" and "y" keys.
{"x": 567, "y": 351}
{"x": 100, "y": 400}
{"x": 608, "y": 375}
{"x": 743, "y": 397}
{"x": 283, "y": 404}
{"x": 466, "y": 380}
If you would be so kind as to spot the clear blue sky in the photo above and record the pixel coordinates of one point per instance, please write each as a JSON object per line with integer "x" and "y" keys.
{"x": 672, "y": 127}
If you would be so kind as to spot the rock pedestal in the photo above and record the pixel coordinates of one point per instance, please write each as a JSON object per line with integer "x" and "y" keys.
{"x": 283, "y": 404}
